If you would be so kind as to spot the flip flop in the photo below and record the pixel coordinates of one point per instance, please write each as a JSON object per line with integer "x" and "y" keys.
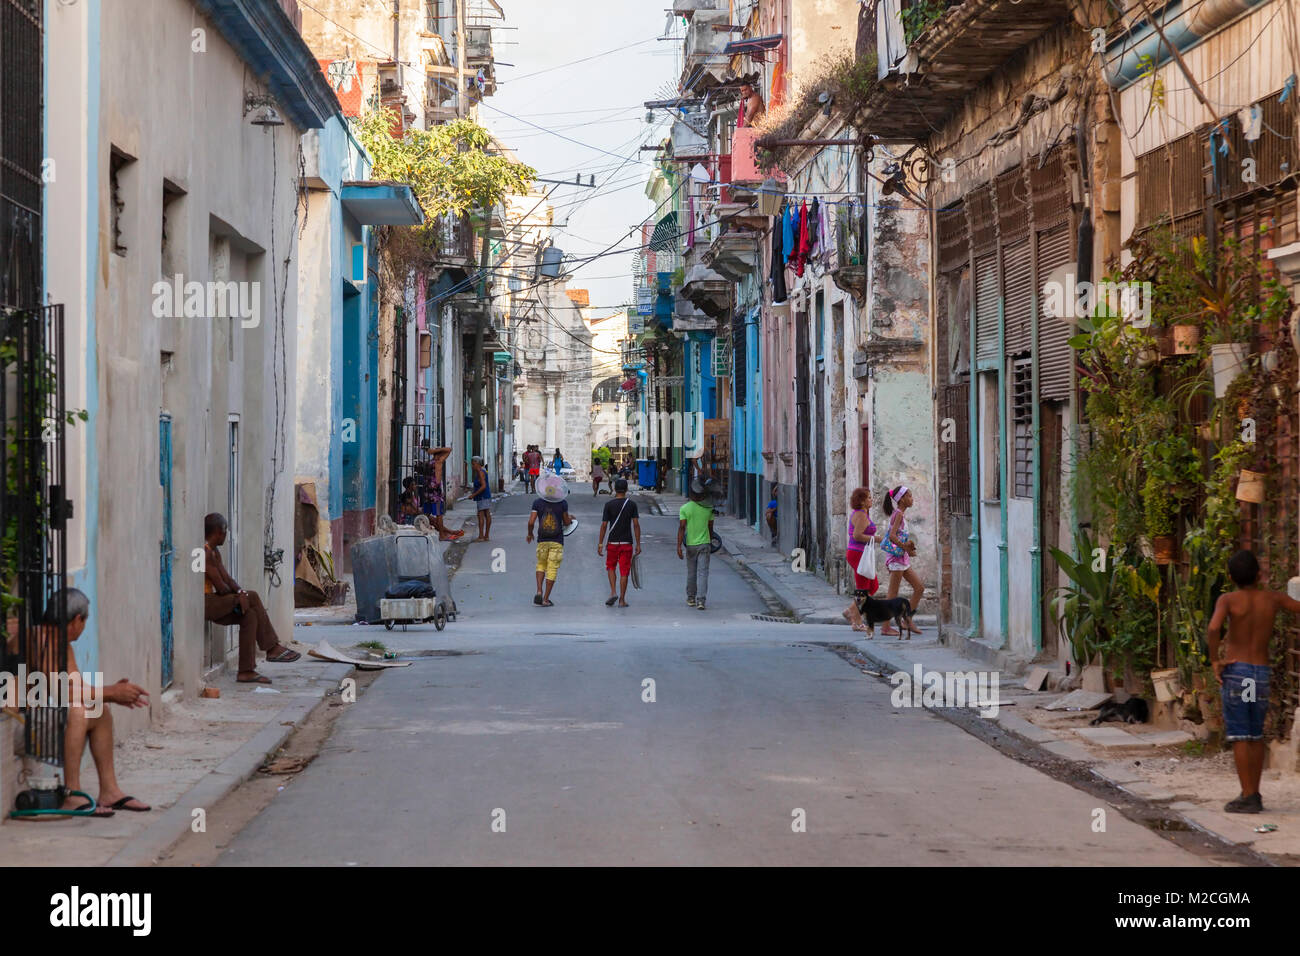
{"x": 122, "y": 805}
{"x": 611, "y": 602}
{"x": 100, "y": 811}
{"x": 537, "y": 599}
{"x": 548, "y": 604}
{"x": 259, "y": 679}
{"x": 286, "y": 656}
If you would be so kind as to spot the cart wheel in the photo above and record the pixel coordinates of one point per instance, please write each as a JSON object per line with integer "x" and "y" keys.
{"x": 440, "y": 618}
{"x": 388, "y": 625}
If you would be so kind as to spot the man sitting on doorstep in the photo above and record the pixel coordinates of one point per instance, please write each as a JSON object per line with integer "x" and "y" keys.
{"x": 226, "y": 603}
{"x": 81, "y": 726}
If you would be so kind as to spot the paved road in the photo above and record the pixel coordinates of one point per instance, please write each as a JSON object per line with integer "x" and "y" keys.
{"x": 540, "y": 724}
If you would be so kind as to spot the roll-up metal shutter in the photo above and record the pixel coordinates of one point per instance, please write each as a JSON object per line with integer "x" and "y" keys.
{"x": 986, "y": 308}
{"x": 1055, "y": 357}
{"x": 1018, "y": 283}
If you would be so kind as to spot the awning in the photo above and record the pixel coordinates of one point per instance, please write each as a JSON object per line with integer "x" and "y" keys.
{"x": 664, "y": 238}
{"x": 753, "y": 45}
{"x": 381, "y": 204}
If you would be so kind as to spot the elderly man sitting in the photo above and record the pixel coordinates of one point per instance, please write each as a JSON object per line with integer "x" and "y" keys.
{"x": 226, "y": 603}
{"x": 72, "y": 607}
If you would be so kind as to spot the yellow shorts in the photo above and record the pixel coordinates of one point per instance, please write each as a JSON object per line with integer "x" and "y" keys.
{"x": 549, "y": 556}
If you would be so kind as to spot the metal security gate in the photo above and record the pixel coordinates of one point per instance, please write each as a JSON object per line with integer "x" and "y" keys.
{"x": 34, "y": 512}
{"x": 166, "y": 551}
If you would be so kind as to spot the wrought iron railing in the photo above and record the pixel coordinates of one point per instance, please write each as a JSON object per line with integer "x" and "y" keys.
{"x": 34, "y": 511}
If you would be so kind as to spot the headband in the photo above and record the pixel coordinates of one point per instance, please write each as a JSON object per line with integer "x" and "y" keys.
{"x": 900, "y": 494}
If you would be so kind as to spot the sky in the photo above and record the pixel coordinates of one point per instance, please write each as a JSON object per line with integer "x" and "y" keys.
{"x": 594, "y": 114}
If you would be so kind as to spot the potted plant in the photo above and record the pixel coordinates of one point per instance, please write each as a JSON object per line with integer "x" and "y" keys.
{"x": 1086, "y": 610}
{"x": 1173, "y": 474}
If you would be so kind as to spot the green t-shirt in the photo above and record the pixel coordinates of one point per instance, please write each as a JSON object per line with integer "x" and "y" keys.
{"x": 697, "y": 518}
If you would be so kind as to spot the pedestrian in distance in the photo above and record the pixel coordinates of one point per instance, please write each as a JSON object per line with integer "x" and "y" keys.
{"x": 901, "y": 550}
{"x": 597, "y": 476}
{"x": 532, "y": 469}
{"x": 860, "y": 553}
{"x": 771, "y": 515}
{"x": 557, "y": 463}
{"x": 1244, "y": 670}
{"x": 695, "y": 534}
{"x": 624, "y": 524}
{"x": 551, "y": 516}
{"x": 482, "y": 496}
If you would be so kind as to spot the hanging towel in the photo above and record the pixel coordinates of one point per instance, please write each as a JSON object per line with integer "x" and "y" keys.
{"x": 814, "y": 224}
{"x": 789, "y": 230}
{"x": 778, "y": 260}
{"x": 801, "y": 257}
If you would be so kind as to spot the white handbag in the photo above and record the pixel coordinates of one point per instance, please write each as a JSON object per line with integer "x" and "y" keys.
{"x": 867, "y": 563}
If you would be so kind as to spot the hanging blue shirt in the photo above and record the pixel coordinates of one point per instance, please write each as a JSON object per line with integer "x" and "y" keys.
{"x": 789, "y": 229}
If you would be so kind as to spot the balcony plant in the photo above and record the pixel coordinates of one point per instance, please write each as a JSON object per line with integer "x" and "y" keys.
{"x": 1173, "y": 474}
{"x": 919, "y": 15}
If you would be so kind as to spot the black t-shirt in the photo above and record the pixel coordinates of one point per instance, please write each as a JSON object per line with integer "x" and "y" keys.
{"x": 620, "y": 530}
{"x": 550, "y": 519}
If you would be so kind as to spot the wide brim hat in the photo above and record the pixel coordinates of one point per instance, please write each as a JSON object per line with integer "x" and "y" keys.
{"x": 552, "y": 488}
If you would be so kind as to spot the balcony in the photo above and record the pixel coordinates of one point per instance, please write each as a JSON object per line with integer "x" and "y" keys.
{"x": 850, "y": 272}
{"x": 924, "y": 81}
{"x": 733, "y": 255}
{"x": 478, "y": 46}
{"x": 688, "y": 318}
{"x": 707, "y": 290}
{"x": 704, "y": 65}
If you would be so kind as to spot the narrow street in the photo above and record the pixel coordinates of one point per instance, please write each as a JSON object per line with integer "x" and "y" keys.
{"x": 540, "y": 715}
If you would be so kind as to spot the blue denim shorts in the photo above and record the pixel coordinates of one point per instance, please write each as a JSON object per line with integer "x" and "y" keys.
{"x": 1245, "y": 700}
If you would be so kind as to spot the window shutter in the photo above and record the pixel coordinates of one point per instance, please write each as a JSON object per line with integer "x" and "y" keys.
{"x": 1018, "y": 282}
{"x": 1055, "y": 357}
{"x": 986, "y": 308}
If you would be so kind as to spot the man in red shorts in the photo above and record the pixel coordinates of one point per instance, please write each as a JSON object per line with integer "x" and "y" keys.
{"x": 620, "y": 517}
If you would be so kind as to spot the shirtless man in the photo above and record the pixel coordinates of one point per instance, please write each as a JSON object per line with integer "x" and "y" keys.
{"x": 1244, "y": 670}
{"x": 82, "y": 727}
{"x": 226, "y": 603}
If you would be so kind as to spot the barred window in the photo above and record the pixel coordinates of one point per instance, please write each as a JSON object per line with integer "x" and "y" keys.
{"x": 954, "y": 445}
{"x": 1022, "y": 420}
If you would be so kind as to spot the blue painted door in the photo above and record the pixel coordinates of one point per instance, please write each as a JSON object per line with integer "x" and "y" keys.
{"x": 165, "y": 549}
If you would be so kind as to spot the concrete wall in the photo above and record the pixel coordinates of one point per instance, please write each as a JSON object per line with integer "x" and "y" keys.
{"x": 226, "y": 223}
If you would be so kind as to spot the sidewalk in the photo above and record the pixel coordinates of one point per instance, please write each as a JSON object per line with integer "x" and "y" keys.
{"x": 1166, "y": 768}
{"x": 199, "y": 750}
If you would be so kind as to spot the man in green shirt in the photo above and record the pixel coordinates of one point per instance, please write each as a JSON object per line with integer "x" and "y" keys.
{"x": 695, "y": 532}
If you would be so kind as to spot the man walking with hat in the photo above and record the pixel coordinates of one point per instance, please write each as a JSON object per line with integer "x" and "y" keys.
{"x": 551, "y": 516}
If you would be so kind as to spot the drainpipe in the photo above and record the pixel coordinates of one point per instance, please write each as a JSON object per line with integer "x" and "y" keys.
{"x": 973, "y": 448}
{"x": 1183, "y": 24}
{"x": 1004, "y": 565}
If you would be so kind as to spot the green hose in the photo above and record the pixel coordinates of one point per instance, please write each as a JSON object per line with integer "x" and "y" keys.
{"x": 80, "y": 812}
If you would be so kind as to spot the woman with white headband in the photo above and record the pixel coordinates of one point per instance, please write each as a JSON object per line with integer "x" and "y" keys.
{"x": 900, "y": 552}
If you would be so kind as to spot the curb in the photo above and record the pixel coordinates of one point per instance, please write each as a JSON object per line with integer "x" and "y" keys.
{"x": 146, "y": 846}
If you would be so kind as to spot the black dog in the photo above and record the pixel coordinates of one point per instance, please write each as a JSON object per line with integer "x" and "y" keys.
{"x": 878, "y": 611}
{"x": 1132, "y": 711}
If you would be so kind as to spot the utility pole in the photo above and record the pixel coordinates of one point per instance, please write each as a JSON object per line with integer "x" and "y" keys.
{"x": 480, "y": 320}
{"x": 460, "y": 58}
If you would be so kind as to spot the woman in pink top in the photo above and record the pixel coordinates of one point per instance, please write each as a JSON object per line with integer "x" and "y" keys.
{"x": 862, "y": 535}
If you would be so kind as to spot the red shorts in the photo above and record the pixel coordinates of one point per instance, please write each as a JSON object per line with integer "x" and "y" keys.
{"x": 621, "y": 555}
{"x": 870, "y": 585}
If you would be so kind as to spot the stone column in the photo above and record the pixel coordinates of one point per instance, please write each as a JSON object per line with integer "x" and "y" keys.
{"x": 550, "y": 421}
